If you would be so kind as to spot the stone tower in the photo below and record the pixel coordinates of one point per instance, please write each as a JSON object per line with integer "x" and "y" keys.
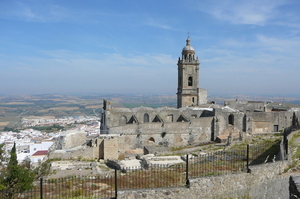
{"x": 188, "y": 92}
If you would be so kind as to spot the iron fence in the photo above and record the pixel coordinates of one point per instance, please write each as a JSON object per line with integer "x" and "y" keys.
{"x": 153, "y": 176}
{"x": 70, "y": 187}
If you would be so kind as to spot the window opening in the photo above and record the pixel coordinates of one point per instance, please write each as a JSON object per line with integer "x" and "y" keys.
{"x": 146, "y": 117}
{"x": 231, "y": 119}
{"x": 190, "y": 81}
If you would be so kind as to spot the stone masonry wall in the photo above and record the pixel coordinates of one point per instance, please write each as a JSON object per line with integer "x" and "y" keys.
{"x": 74, "y": 153}
{"x": 264, "y": 181}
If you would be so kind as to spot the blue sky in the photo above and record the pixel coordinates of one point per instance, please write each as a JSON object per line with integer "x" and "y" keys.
{"x": 132, "y": 46}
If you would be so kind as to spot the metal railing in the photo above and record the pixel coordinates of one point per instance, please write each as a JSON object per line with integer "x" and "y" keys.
{"x": 153, "y": 176}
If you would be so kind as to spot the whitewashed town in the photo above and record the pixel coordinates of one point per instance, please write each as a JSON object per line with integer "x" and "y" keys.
{"x": 34, "y": 144}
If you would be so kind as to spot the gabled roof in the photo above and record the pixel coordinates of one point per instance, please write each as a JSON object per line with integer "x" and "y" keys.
{"x": 182, "y": 118}
{"x": 157, "y": 118}
{"x": 40, "y": 153}
{"x": 133, "y": 120}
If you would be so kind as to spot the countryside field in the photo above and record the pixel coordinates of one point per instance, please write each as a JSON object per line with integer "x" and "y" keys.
{"x": 14, "y": 108}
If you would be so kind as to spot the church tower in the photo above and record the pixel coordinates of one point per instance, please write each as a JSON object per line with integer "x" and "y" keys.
{"x": 188, "y": 92}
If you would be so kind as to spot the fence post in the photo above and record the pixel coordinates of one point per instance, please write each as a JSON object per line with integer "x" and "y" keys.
{"x": 116, "y": 184}
{"x": 248, "y": 151}
{"x": 41, "y": 188}
{"x": 187, "y": 182}
{"x": 286, "y": 147}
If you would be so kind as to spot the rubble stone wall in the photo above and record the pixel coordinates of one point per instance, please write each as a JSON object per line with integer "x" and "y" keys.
{"x": 264, "y": 181}
{"x": 81, "y": 152}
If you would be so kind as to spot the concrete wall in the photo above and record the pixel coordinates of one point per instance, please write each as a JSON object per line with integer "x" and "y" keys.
{"x": 264, "y": 181}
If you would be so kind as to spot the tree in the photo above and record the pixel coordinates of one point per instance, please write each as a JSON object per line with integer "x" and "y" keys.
{"x": 16, "y": 178}
{"x": 43, "y": 169}
{"x": 2, "y": 155}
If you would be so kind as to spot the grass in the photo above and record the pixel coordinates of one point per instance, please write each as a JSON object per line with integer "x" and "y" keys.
{"x": 295, "y": 146}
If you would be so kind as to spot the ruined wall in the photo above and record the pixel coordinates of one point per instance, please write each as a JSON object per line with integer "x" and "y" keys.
{"x": 202, "y": 96}
{"x": 110, "y": 148}
{"x": 223, "y": 127}
{"x": 69, "y": 139}
{"x": 74, "y": 153}
{"x": 74, "y": 138}
{"x": 264, "y": 122}
{"x": 264, "y": 181}
{"x": 246, "y": 105}
{"x": 164, "y": 134}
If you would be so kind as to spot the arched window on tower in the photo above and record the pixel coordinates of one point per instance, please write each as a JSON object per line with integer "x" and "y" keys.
{"x": 190, "y": 81}
{"x": 146, "y": 117}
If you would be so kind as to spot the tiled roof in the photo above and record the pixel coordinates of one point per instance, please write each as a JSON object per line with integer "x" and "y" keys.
{"x": 39, "y": 153}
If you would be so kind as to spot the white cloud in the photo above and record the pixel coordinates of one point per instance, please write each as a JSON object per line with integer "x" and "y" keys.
{"x": 157, "y": 24}
{"x": 38, "y": 12}
{"x": 256, "y": 12}
{"x": 269, "y": 65}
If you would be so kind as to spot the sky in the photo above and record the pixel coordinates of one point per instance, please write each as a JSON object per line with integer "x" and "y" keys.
{"x": 132, "y": 46}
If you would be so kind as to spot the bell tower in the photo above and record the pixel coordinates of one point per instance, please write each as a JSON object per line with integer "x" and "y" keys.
{"x": 188, "y": 92}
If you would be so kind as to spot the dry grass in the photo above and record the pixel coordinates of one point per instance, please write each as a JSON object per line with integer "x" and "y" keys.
{"x": 4, "y": 123}
{"x": 94, "y": 106}
{"x": 63, "y": 108}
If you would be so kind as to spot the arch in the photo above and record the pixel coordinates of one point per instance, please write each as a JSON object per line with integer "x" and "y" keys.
{"x": 146, "y": 117}
{"x": 231, "y": 119}
{"x": 132, "y": 120}
{"x": 123, "y": 120}
{"x": 190, "y": 81}
{"x": 157, "y": 119}
{"x": 182, "y": 118}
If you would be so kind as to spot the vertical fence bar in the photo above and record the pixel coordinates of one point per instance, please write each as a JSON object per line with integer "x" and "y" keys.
{"x": 248, "y": 170}
{"x": 187, "y": 182}
{"x": 116, "y": 184}
{"x": 285, "y": 142}
{"x": 41, "y": 188}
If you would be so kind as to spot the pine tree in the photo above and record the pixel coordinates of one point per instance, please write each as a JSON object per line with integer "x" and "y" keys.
{"x": 16, "y": 178}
